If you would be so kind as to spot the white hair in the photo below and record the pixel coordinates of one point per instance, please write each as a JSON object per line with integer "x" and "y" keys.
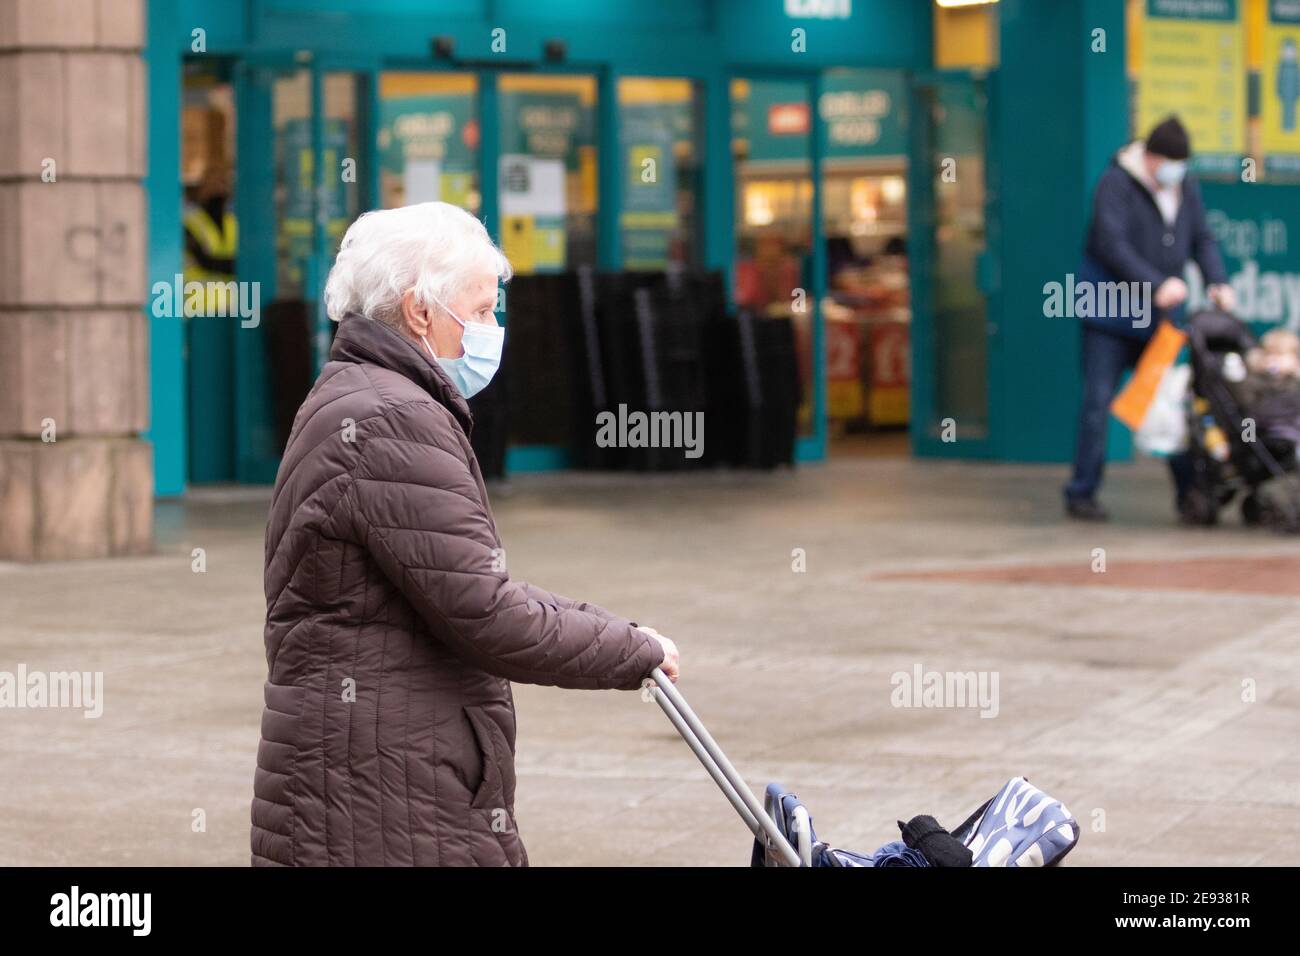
{"x": 432, "y": 249}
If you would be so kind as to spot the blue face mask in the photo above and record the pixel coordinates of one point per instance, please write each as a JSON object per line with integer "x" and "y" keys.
{"x": 481, "y": 342}
{"x": 1171, "y": 172}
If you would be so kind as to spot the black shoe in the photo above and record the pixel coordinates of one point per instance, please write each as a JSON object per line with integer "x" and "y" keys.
{"x": 1085, "y": 509}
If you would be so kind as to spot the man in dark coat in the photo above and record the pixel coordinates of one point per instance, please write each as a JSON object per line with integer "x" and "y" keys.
{"x": 1148, "y": 221}
{"x": 393, "y": 629}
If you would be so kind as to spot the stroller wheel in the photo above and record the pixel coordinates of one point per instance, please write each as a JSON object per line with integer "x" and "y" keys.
{"x": 1198, "y": 508}
{"x": 1285, "y": 517}
{"x": 1252, "y": 509}
{"x": 1279, "y": 506}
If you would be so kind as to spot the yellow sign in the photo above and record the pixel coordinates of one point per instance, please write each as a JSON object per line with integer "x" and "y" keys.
{"x": 518, "y": 243}
{"x": 1193, "y": 65}
{"x": 455, "y": 188}
{"x": 548, "y": 248}
{"x": 844, "y": 398}
{"x": 532, "y": 246}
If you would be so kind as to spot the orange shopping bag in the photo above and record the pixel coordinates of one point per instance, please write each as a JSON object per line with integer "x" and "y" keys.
{"x": 1131, "y": 404}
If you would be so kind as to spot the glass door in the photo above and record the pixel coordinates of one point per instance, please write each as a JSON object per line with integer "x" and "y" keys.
{"x": 428, "y": 137}
{"x": 340, "y": 154}
{"x": 953, "y": 277}
{"x": 864, "y": 221}
{"x": 778, "y": 263}
{"x": 271, "y": 95}
{"x": 659, "y": 128}
{"x": 541, "y": 155}
{"x": 547, "y": 170}
{"x": 210, "y": 229}
{"x": 302, "y": 183}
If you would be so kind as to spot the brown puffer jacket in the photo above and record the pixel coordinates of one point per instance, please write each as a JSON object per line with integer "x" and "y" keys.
{"x": 393, "y": 632}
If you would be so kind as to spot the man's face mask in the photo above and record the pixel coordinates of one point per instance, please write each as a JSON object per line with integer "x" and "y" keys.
{"x": 1171, "y": 172}
{"x": 482, "y": 343}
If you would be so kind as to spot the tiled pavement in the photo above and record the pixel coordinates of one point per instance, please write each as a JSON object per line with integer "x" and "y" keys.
{"x": 1160, "y": 699}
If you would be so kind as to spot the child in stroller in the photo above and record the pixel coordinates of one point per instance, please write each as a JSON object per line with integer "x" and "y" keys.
{"x": 1244, "y": 425}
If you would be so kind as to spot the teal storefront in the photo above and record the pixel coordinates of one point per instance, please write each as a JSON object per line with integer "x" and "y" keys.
{"x": 542, "y": 119}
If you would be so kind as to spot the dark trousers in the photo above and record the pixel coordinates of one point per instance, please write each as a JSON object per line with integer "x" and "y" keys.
{"x": 1106, "y": 357}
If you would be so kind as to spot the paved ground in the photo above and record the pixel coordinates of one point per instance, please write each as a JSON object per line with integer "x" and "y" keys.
{"x": 1162, "y": 707}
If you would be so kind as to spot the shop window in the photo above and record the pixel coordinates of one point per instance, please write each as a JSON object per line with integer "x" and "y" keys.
{"x": 342, "y": 153}
{"x": 210, "y": 246}
{"x": 547, "y": 172}
{"x": 658, "y": 136}
{"x": 772, "y": 151}
{"x": 291, "y": 106}
{"x": 864, "y": 225}
{"x": 428, "y": 139}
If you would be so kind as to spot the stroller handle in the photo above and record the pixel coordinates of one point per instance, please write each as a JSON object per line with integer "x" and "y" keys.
{"x": 733, "y": 786}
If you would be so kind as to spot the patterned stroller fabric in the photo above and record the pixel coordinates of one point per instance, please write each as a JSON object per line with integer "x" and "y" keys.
{"x": 897, "y": 853}
{"x": 1021, "y": 826}
{"x": 782, "y": 807}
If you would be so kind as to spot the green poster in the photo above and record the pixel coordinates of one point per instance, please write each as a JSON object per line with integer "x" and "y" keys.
{"x": 428, "y": 128}
{"x": 428, "y": 149}
{"x": 647, "y": 134}
{"x": 864, "y": 113}
{"x": 1252, "y": 223}
{"x": 546, "y": 125}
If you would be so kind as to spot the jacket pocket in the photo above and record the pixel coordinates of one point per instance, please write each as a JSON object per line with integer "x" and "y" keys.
{"x": 496, "y": 789}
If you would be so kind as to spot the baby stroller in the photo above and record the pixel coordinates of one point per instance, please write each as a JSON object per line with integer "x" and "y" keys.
{"x": 1242, "y": 437}
{"x": 1020, "y": 826}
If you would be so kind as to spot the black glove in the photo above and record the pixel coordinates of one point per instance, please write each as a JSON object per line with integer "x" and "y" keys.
{"x": 936, "y": 844}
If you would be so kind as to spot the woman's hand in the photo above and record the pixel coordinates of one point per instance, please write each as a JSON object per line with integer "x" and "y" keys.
{"x": 671, "y": 665}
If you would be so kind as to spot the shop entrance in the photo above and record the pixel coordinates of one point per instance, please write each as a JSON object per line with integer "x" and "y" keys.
{"x": 320, "y": 143}
{"x": 779, "y": 267}
{"x": 271, "y": 152}
{"x": 830, "y": 151}
{"x": 210, "y": 243}
{"x": 518, "y": 149}
{"x": 864, "y": 221}
{"x": 879, "y": 269}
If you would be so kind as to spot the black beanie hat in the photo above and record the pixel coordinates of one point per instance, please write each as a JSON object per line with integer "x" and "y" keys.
{"x": 1169, "y": 139}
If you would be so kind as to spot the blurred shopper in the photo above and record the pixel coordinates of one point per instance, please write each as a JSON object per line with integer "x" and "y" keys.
{"x": 393, "y": 629}
{"x": 211, "y": 233}
{"x": 1148, "y": 221}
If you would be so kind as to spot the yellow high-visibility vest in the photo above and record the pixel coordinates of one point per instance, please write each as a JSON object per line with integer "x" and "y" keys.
{"x": 219, "y": 242}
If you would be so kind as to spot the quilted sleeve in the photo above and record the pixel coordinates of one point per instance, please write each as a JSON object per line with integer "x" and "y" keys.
{"x": 417, "y": 511}
{"x": 560, "y": 601}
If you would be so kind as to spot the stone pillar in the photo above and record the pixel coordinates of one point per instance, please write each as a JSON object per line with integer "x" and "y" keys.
{"x": 76, "y": 478}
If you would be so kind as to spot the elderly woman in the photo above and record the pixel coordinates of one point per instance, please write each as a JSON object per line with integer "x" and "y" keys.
{"x": 393, "y": 630}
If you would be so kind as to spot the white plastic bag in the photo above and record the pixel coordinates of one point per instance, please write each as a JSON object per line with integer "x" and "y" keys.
{"x": 1164, "y": 429}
